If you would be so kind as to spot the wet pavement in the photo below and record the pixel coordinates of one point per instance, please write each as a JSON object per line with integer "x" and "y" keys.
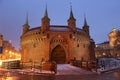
{"x": 65, "y": 72}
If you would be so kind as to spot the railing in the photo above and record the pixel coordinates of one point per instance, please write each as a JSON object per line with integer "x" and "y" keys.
{"x": 13, "y": 64}
{"x": 49, "y": 66}
{"x": 84, "y": 64}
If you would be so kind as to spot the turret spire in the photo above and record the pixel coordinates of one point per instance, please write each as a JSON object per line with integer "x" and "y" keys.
{"x": 71, "y": 13}
{"x": 26, "y": 25}
{"x": 45, "y": 21}
{"x": 26, "y": 19}
{"x": 71, "y": 20}
{"x": 46, "y": 13}
{"x": 86, "y": 26}
{"x": 85, "y": 21}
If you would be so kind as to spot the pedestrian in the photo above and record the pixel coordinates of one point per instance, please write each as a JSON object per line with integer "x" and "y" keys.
{"x": 103, "y": 64}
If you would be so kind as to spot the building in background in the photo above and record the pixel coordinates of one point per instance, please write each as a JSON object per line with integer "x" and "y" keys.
{"x": 103, "y": 50}
{"x": 59, "y": 43}
{"x": 114, "y": 39}
{"x": 7, "y": 51}
{"x": 1, "y": 44}
{"x": 110, "y": 48}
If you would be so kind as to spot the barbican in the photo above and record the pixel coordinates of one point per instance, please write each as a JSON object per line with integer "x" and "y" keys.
{"x": 57, "y": 43}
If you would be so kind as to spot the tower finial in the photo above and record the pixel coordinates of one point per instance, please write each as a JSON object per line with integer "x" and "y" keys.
{"x": 71, "y": 13}
{"x": 46, "y": 13}
{"x": 85, "y": 21}
{"x": 26, "y": 19}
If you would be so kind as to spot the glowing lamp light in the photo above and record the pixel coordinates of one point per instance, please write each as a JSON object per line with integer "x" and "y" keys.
{"x": 104, "y": 54}
{"x": 0, "y": 63}
{"x": 10, "y": 52}
{"x": 6, "y": 51}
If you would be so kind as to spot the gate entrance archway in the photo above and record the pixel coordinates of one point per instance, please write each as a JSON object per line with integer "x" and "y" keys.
{"x": 58, "y": 55}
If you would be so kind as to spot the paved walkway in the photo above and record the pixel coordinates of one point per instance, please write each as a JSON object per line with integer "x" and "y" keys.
{"x": 66, "y": 69}
{"x": 62, "y": 69}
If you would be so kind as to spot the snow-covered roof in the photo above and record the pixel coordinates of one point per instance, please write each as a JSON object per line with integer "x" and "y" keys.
{"x": 59, "y": 28}
{"x": 79, "y": 30}
{"x": 56, "y": 28}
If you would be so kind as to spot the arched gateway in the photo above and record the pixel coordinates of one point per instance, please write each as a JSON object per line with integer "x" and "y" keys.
{"x": 58, "y": 55}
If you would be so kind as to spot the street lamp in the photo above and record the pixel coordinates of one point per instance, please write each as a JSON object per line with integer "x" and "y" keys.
{"x": 104, "y": 54}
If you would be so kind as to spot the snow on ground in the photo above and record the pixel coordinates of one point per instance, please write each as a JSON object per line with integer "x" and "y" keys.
{"x": 66, "y": 69}
{"x": 62, "y": 69}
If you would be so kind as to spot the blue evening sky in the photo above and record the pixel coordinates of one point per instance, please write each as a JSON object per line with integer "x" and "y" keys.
{"x": 102, "y": 16}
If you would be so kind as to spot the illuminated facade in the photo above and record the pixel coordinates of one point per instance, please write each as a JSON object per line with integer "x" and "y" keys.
{"x": 8, "y": 51}
{"x": 114, "y": 38}
{"x": 56, "y": 42}
{"x": 103, "y": 50}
